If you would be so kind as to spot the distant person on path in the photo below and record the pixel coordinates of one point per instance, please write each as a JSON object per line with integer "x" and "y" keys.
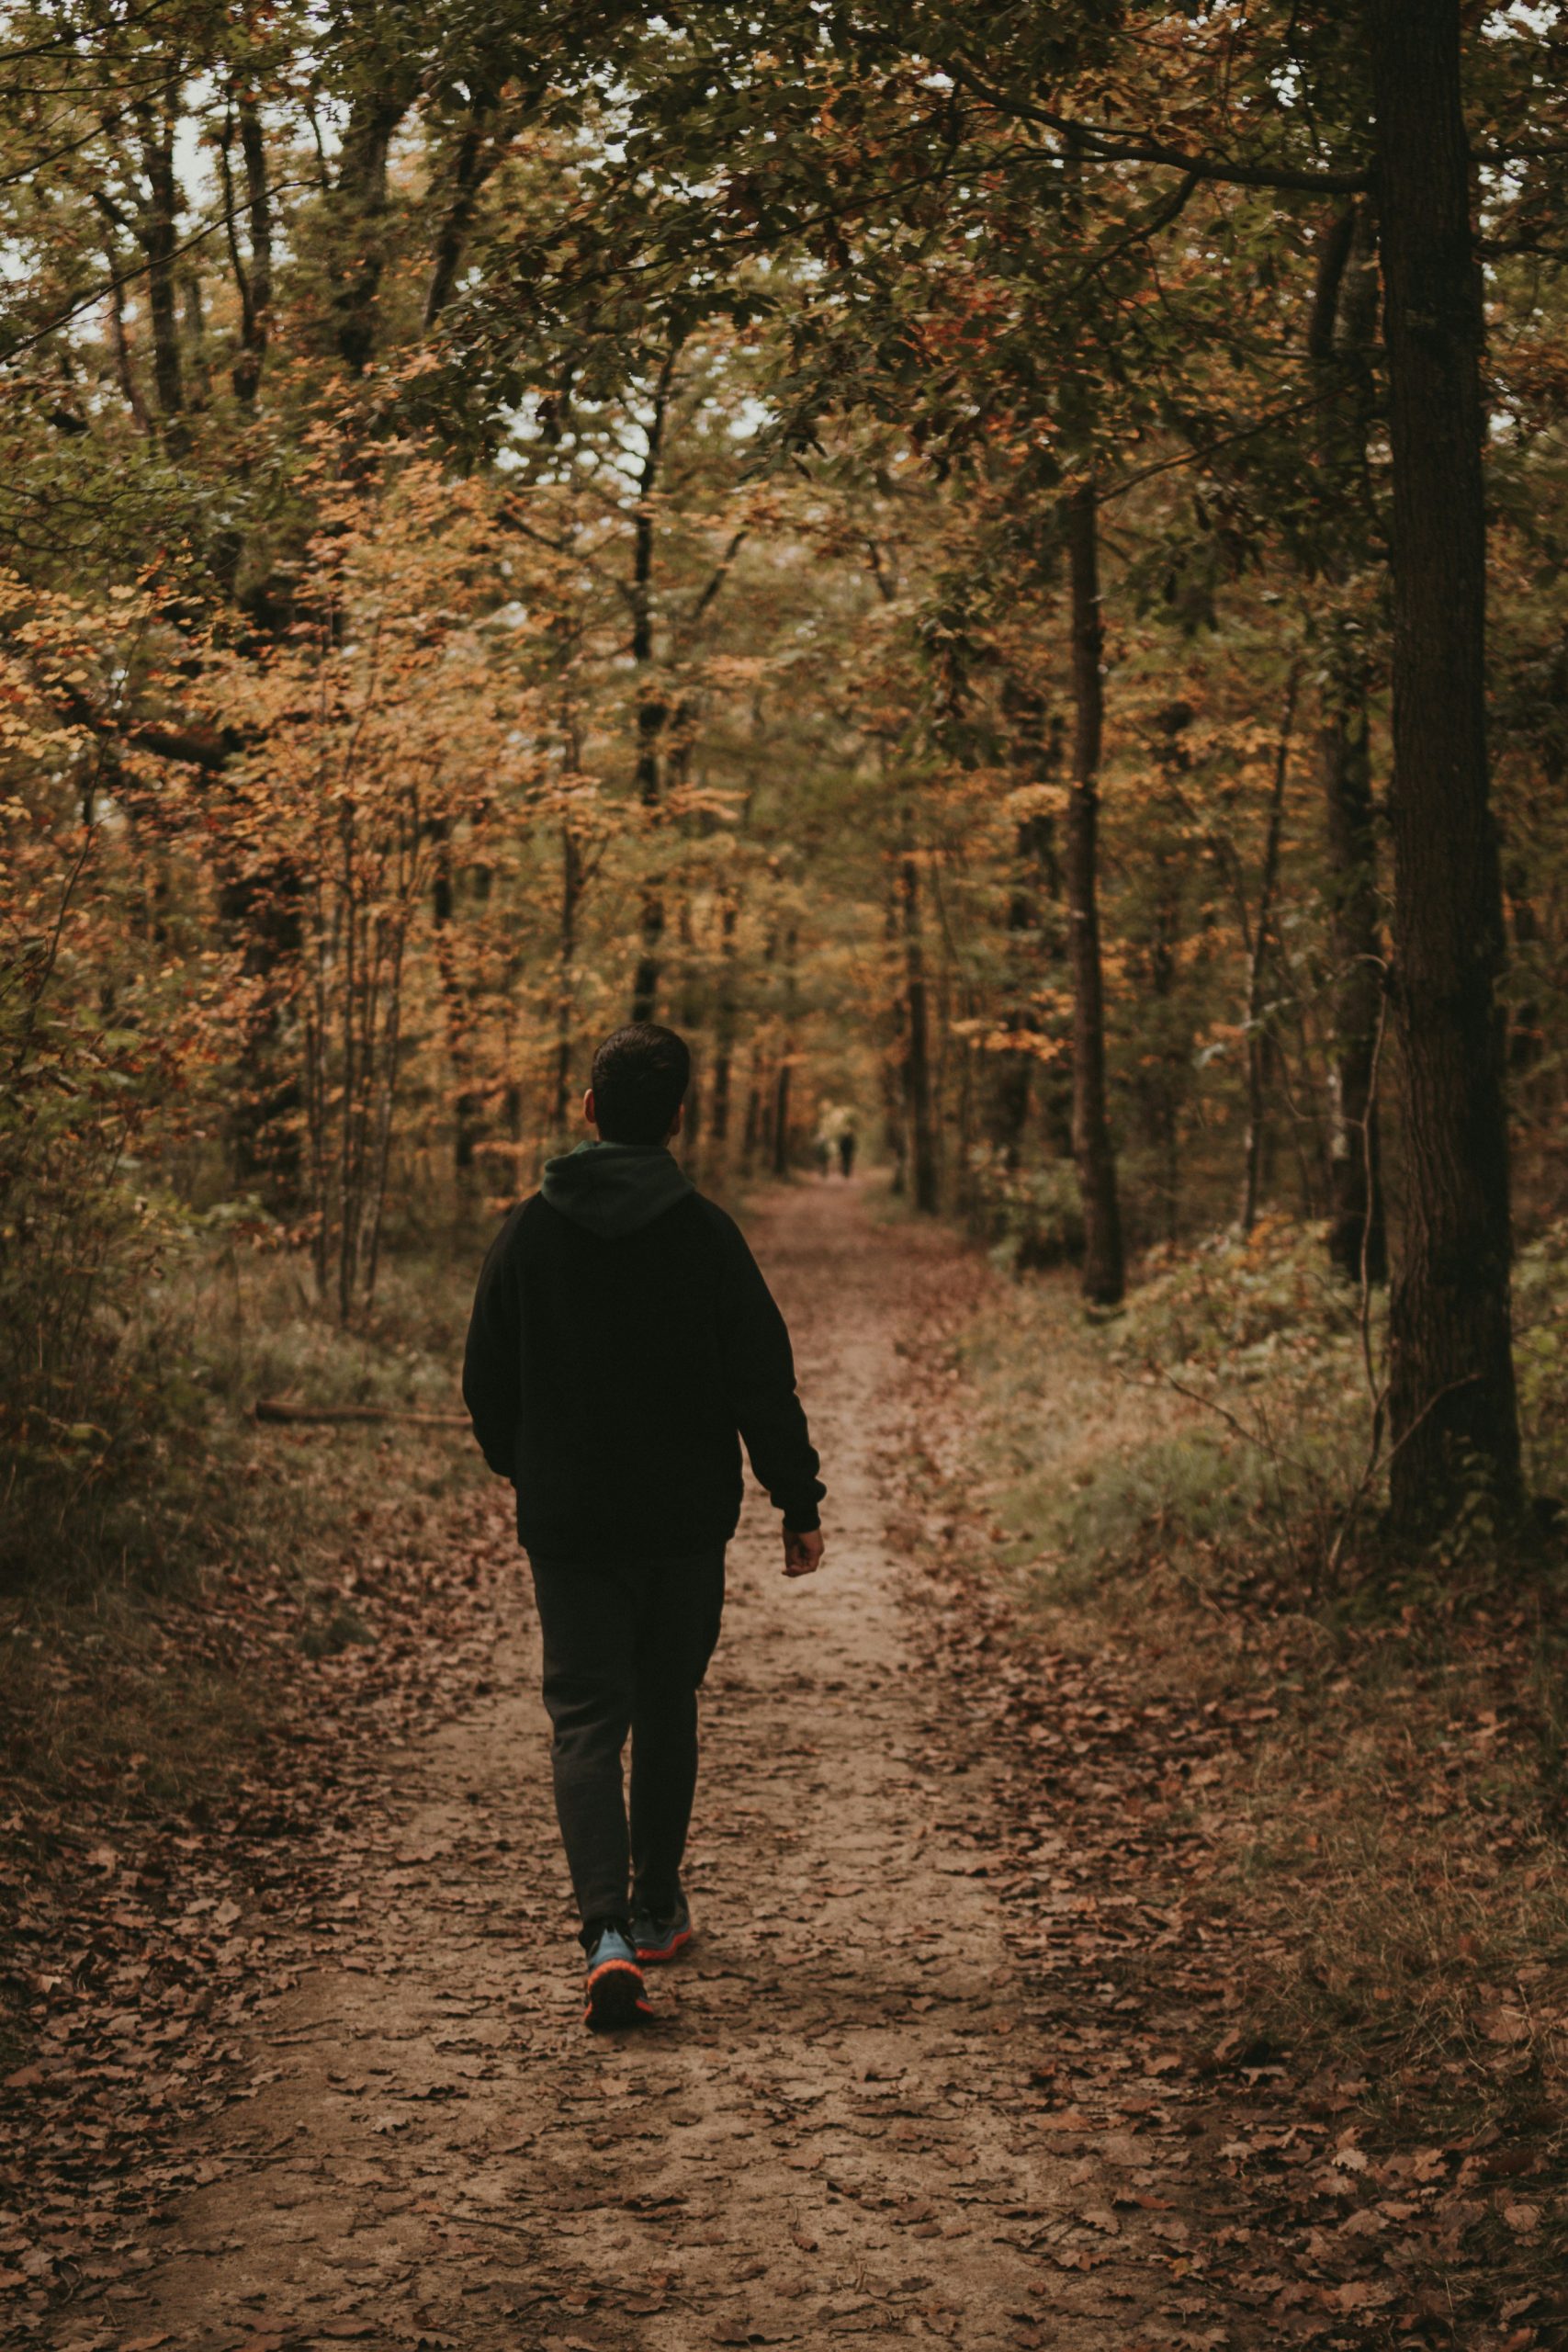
{"x": 623, "y": 1342}
{"x": 847, "y": 1148}
{"x": 823, "y": 1147}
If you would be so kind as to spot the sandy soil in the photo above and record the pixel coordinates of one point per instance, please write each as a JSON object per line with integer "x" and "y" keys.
{"x": 835, "y": 2128}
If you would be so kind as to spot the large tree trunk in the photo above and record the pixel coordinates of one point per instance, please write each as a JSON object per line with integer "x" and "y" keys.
{"x": 1453, "y": 1412}
{"x": 1104, "y": 1272}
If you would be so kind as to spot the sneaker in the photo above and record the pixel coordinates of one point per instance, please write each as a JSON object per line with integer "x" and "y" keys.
{"x": 659, "y": 1935}
{"x": 616, "y": 1991}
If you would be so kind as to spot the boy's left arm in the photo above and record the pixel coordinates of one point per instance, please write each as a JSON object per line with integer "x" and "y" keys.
{"x": 768, "y": 1410}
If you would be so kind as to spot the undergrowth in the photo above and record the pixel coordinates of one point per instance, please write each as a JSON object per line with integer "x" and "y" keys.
{"x": 1173, "y": 1482}
{"x": 99, "y": 1566}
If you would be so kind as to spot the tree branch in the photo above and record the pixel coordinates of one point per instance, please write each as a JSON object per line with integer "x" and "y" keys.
{"x": 1115, "y": 147}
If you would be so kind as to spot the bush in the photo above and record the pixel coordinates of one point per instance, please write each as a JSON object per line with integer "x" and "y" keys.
{"x": 1032, "y": 1217}
{"x": 90, "y": 1388}
{"x": 1541, "y": 1320}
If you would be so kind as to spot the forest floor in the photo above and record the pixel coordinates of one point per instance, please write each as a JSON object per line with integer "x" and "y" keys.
{"x": 953, "y": 2056}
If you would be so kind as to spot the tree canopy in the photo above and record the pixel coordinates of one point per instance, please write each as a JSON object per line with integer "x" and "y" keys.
{"x": 998, "y": 569}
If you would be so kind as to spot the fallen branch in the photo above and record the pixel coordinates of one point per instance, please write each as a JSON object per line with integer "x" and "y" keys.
{"x": 279, "y": 1408}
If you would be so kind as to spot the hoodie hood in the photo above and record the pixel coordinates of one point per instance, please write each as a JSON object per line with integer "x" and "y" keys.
{"x": 614, "y": 1188}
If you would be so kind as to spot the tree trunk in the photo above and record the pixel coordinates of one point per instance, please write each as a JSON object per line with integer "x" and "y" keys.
{"x": 362, "y": 208}
{"x": 652, "y": 712}
{"x": 1104, "y": 1272}
{"x": 468, "y": 1110}
{"x": 1341, "y": 332}
{"x": 895, "y": 1127}
{"x": 566, "y": 957}
{"x": 479, "y": 149}
{"x": 923, "y": 1170}
{"x": 253, "y": 280}
{"x": 1356, "y": 1230}
{"x": 1453, "y": 1410}
{"x": 781, "y": 1115}
{"x": 130, "y": 390}
{"x": 781, "y": 1128}
{"x": 1035, "y": 880}
{"x": 724, "y": 1036}
{"x": 159, "y": 236}
{"x": 1258, "y": 966}
{"x": 1015, "y": 1065}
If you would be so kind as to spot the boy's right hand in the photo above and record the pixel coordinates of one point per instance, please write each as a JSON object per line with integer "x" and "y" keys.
{"x": 802, "y": 1552}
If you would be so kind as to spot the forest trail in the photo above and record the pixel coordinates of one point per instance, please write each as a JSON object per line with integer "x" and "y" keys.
{"x": 832, "y": 2131}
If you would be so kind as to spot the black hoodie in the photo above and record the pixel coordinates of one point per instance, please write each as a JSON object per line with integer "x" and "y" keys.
{"x": 622, "y": 1343}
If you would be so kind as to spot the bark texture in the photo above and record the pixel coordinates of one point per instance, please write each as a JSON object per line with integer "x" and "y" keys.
{"x": 1104, "y": 1269}
{"x": 1454, "y": 1413}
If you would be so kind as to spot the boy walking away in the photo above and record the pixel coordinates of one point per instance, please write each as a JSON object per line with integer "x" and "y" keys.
{"x": 623, "y": 1343}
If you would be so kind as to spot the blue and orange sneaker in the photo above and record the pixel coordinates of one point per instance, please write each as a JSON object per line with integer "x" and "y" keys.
{"x": 659, "y": 1936}
{"x": 615, "y": 1989}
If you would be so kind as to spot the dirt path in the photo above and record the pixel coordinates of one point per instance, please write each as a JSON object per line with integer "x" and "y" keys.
{"x": 835, "y": 2128}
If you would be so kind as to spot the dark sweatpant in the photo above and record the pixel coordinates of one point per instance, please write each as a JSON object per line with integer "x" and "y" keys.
{"x": 625, "y": 1649}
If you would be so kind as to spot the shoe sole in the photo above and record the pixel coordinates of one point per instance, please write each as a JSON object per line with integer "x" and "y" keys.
{"x": 654, "y": 1953}
{"x": 615, "y": 1998}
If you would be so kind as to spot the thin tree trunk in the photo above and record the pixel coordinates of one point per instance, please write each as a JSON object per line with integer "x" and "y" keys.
{"x": 566, "y": 956}
{"x": 1161, "y": 1082}
{"x": 781, "y": 1132}
{"x": 1257, "y": 964}
{"x": 159, "y": 236}
{"x": 1452, "y": 1404}
{"x": 1015, "y": 1072}
{"x": 479, "y": 152}
{"x": 782, "y": 1138}
{"x": 923, "y": 1168}
{"x": 348, "y": 982}
{"x": 1104, "y": 1272}
{"x": 724, "y": 1034}
{"x": 652, "y": 711}
{"x": 467, "y": 1108}
{"x": 124, "y": 370}
{"x": 1034, "y": 878}
{"x": 1357, "y": 1228}
{"x": 200, "y": 373}
{"x": 895, "y": 1104}
{"x": 1341, "y": 332}
{"x": 253, "y": 279}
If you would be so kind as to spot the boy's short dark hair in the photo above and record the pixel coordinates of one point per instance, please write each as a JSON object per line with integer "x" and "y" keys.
{"x": 640, "y": 1076}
